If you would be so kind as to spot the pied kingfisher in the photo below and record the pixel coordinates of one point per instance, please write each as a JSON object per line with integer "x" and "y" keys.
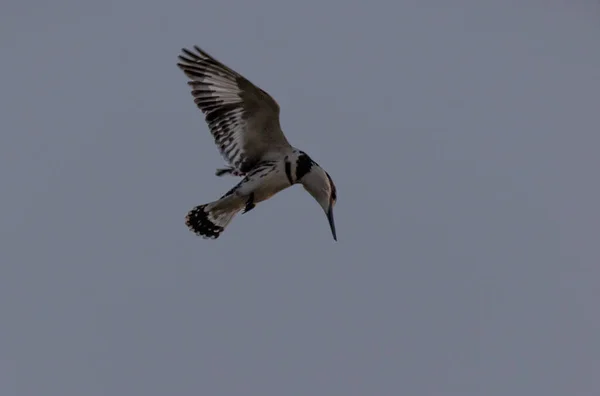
{"x": 244, "y": 121}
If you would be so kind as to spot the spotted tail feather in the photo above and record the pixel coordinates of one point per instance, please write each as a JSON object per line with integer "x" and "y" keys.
{"x": 208, "y": 223}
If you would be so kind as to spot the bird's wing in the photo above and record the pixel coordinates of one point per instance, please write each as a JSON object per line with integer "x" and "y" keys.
{"x": 243, "y": 119}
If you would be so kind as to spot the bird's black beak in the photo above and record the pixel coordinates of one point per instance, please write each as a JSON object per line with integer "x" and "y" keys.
{"x": 331, "y": 222}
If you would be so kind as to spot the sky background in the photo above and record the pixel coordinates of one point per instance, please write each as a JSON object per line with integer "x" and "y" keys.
{"x": 463, "y": 138}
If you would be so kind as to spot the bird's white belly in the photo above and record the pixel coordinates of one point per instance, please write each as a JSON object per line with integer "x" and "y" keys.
{"x": 265, "y": 185}
{"x": 269, "y": 188}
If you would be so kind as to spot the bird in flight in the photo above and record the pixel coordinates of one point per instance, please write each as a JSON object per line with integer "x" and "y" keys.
{"x": 244, "y": 122}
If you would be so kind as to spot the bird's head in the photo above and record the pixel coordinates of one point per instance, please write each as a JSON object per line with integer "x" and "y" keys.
{"x": 320, "y": 185}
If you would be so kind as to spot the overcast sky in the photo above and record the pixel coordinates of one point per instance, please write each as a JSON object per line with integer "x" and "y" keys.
{"x": 463, "y": 138}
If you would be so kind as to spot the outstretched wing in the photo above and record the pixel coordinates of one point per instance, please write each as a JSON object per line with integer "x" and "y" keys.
{"x": 243, "y": 119}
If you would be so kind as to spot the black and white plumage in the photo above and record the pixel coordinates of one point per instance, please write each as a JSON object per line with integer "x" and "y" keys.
{"x": 244, "y": 122}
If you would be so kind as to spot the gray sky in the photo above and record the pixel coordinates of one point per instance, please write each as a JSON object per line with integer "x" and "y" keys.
{"x": 463, "y": 140}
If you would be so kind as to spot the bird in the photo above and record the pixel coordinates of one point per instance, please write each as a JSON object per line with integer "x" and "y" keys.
{"x": 244, "y": 122}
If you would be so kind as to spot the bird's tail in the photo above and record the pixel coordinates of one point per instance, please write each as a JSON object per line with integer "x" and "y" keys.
{"x": 209, "y": 220}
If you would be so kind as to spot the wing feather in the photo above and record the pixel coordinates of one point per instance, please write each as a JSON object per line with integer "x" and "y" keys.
{"x": 243, "y": 119}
